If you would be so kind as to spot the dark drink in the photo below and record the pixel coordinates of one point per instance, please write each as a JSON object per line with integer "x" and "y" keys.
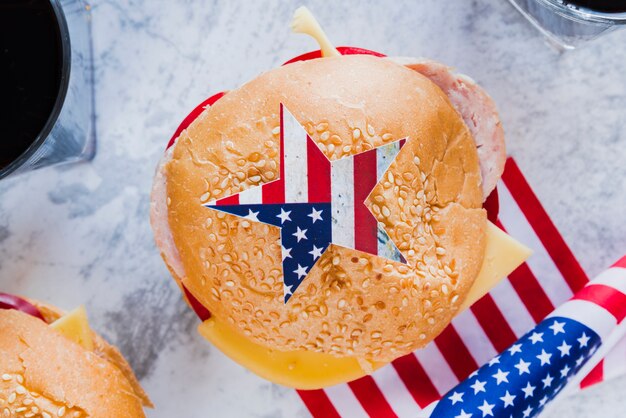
{"x": 30, "y": 73}
{"x": 608, "y": 6}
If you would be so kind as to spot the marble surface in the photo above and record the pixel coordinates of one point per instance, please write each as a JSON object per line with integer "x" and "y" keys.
{"x": 80, "y": 234}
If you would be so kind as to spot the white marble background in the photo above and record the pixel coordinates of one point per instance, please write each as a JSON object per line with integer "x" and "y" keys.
{"x": 80, "y": 234}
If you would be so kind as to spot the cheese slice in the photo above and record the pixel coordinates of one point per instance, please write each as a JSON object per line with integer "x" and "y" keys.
{"x": 503, "y": 254}
{"x": 75, "y": 326}
{"x": 310, "y": 370}
{"x": 299, "y": 369}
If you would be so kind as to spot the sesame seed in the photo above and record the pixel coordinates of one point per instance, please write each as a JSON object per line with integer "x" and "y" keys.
{"x": 356, "y": 133}
{"x": 276, "y": 130}
{"x": 12, "y": 397}
{"x": 6, "y": 377}
{"x": 321, "y": 127}
{"x": 45, "y": 415}
{"x": 61, "y": 411}
{"x": 20, "y": 390}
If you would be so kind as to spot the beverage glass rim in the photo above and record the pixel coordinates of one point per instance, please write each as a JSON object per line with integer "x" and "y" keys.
{"x": 584, "y": 13}
{"x": 66, "y": 52}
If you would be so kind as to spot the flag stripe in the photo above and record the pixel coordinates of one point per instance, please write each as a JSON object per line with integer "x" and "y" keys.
{"x": 396, "y": 392}
{"x": 594, "y": 376}
{"x": 318, "y": 403}
{"x": 371, "y": 398}
{"x": 542, "y": 266}
{"x": 512, "y": 308}
{"x": 474, "y": 337}
{"x": 251, "y": 196}
{"x": 295, "y": 148}
{"x": 345, "y": 402}
{"x": 493, "y": 323}
{"x": 436, "y": 367}
{"x": 274, "y": 192}
{"x": 609, "y": 298}
{"x": 455, "y": 352}
{"x": 319, "y": 185}
{"x": 230, "y": 200}
{"x": 415, "y": 379}
{"x": 343, "y": 194}
{"x": 546, "y": 230}
{"x": 613, "y": 277}
{"x": 365, "y": 224}
{"x": 535, "y": 299}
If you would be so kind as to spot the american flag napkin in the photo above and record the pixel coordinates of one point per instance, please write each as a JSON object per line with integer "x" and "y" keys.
{"x": 411, "y": 386}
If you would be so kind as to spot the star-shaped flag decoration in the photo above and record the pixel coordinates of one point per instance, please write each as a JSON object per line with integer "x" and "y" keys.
{"x": 315, "y": 202}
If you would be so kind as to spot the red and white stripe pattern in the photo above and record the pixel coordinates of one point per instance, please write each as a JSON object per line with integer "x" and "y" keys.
{"x": 549, "y": 278}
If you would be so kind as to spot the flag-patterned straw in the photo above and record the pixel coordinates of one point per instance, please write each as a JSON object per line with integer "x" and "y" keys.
{"x": 522, "y": 379}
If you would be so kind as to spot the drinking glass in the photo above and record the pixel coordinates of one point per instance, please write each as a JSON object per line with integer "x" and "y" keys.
{"x": 567, "y": 25}
{"x": 68, "y": 135}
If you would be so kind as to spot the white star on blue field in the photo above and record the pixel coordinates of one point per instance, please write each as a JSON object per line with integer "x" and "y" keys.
{"x": 524, "y": 377}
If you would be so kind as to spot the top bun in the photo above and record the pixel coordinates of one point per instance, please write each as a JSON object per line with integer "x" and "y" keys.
{"x": 351, "y": 303}
{"x": 47, "y": 375}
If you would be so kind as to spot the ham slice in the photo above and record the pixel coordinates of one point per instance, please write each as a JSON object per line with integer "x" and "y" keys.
{"x": 477, "y": 109}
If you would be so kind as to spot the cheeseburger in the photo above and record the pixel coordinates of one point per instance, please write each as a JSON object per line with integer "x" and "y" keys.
{"x": 354, "y": 307}
{"x": 53, "y": 365}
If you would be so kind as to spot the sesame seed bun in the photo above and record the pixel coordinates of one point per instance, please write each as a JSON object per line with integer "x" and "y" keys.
{"x": 45, "y": 374}
{"x": 351, "y": 303}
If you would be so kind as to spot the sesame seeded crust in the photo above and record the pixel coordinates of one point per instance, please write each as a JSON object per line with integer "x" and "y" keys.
{"x": 43, "y": 374}
{"x": 352, "y": 303}
{"x": 101, "y": 348}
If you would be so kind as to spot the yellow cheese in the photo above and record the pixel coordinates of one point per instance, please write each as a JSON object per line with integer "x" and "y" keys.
{"x": 75, "y": 326}
{"x": 310, "y": 370}
{"x": 502, "y": 255}
{"x": 299, "y": 369}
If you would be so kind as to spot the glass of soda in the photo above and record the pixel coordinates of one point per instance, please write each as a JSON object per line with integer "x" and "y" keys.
{"x": 569, "y": 23}
{"x": 46, "y": 84}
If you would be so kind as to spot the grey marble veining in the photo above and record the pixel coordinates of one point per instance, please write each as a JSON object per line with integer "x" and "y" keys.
{"x": 80, "y": 234}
